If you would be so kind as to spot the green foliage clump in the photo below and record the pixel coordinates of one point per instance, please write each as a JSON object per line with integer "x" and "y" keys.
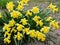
{"x": 3, "y": 3}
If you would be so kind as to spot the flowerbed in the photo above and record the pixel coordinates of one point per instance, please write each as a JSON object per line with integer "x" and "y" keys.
{"x": 21, "y": 26}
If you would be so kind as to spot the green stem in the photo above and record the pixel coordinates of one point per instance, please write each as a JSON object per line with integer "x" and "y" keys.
{"x": 21, "y": 42}
{"x": 15, "y": 41}
{"x": 18, "y": 42}
{"x": 6, "y": 43}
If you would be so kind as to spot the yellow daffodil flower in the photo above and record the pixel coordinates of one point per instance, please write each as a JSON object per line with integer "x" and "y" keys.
{"x": 6, "y": 27}
{"x": 15, "y": 14}
{"x": 10, "y": 6}
{"x": 17, "y": 24}
{"x": 13, "y": 30}
{"x": 40, "y": 23}
{"x": 25, "y": 1}
{"x": 53, "y": 8}
{"x": 18, "y": 36}
{"x": 20, "y": 27}
{"x": 31, "y": 33}
{"x": 56, "y": 9}
{"x": 40, "y": 36}
{"x": 28, "y": 13}
{"x": 21, "y": 3}
{"x": 49, "y": 19}
{"x": 35, "y": 10}
{"x": 45, "y": 29}
{"x": 12, "y": 22}
{"x": 7, "y": 40}
{"x": 36, "y": 18}
{"x": 43, "y": 39}
{"x": 54, "y": 24}
{"x": 26, "y": 30}
{"x": 20, "y": 7}
{"x": 7, "y": 34}
{"x": 24, "y": 21}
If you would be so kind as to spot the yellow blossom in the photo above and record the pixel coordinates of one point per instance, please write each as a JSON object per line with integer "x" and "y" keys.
{"x": 49, "y": 19}
{"x": 28, "y": 13}
{"x": 21, "y": 3}
{"x": 31, "y": 33}
{"x": 13, "y": 30}
{"x": 36, "y": 18}
{"x": 54, "y": 24}
{"x": 26, "y": 30}
{"x": 25, "y": 1}
{"x": 7, "y": 40}
{"x": 18, "y": 36}
{"x": 43, "y": 39}
{"x": 53, "y": 8}
{"x": 20, "y": 7}
{"x": 45, "y": 29}
{"x": 17, "y": 24}
{"x": 12, "y": 22}
{"x": 15, "y": 14}
{"x": 40, "y": 23}
{"x": 20, "y": 27}
{"x": 6, "y": 27}
{"x": 24, "y": 21}
{"x": 7, "y": 34}
{"x": 10, "y": 6}
{"x": 40, "y": 36}
{"x": 35, "y": 10}
{"x": 56, "y": 9}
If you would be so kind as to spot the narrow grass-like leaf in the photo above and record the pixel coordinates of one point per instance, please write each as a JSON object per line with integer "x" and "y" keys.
{"x": 15, "y": 40}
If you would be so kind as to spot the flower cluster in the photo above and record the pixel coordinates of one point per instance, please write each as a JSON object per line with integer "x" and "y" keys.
{"x": 33, "y": 23}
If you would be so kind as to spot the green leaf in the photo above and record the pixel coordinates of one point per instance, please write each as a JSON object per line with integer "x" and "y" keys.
{"x": 1, "y": 29}
{"x": 1, "y": 37}
{"x": 15, "y": 40}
